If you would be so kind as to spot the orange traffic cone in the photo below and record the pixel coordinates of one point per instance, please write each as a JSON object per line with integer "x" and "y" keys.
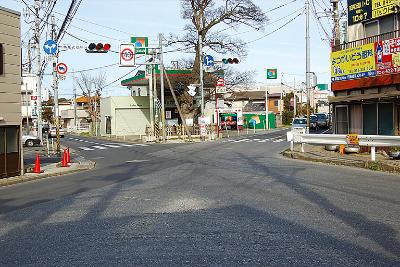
{"x": 68, "y": 156}
{"x": 36, "y": 169}
{"x": 64, "y": 162}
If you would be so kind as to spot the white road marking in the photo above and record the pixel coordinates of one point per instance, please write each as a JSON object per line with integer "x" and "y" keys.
{"x": 109, "y": 145}
{"x": 256, "y": 139}
{"x": 242, "y": 140}
{"x": 140, "y": 145}
{"x": 86, "y": 148}
{"x": 137, "y": 160}
{"x": 125, "y": 145}
{"x": 100, "y": 147}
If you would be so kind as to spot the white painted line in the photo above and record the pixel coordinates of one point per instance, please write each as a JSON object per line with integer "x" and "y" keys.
{"x": 262, "y": 141}
{"x": 86, "y": 141}
{"x": 278, "y": 141}
{"x": 109, "y": 145}
{"x": 80, "y": 140}
{"x": 100, "y": 147}
{"x": 137, "y": 160}
{"x": 141, "y": 145}
{"x": 242, "y": 140}
{"x": 125, "y": 145}
{"x": 256, "y": 139}
{"x": 86, "y": 148}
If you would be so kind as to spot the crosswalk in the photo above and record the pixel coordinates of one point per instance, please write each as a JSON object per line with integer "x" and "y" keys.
{"x": 277, "y": 139}
{"x": 91, "y": 145}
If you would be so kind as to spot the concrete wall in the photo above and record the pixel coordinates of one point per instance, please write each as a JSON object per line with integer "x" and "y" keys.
{"x": 129, "y": 115}
{"x": 10, "y": 80}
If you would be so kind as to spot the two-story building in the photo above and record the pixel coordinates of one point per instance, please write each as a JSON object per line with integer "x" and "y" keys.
{"x": 366, "y": 70}
{"x": 10, "y": 93}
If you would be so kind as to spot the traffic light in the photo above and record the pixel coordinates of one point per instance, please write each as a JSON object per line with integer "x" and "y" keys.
{"x": 230, "y": 60}
{"x": 98, "y": 48}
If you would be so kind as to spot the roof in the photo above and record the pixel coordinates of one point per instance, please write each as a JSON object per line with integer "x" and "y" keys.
{"x": 84, "y": 99}
{"x": 141, "y": 79}
{"x": 10, "y": 11}
{"x": 250, "y": 95}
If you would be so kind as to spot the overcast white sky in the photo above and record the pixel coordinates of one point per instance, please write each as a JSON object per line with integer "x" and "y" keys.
{"x": 284, "y": 49}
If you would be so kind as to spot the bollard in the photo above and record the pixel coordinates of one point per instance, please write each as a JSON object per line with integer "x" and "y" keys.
{"x": 302, "y": 147}
{"x": 373, "y": 154}
{"x": 291, "y": 145}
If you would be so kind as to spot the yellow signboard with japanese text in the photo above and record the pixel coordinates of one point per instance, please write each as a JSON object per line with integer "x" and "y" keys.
{"x": 353, "y": 63}
{"x": 364, "y": 10}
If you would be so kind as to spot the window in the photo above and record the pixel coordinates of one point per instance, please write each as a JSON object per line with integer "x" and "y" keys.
{"x": 342, "y": 120}
{"x": 276, "y": 103}
{"x": 379, "y": 26}
{"x": 12, "y": 140}
{"x": 369, "y": 119}
{"x": 385, "y": 119}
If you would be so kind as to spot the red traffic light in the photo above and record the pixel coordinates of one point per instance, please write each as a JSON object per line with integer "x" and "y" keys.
{"x": 230, "y": 60}
{"x": 106, "y": 47}
{"x": 98, "y": 48}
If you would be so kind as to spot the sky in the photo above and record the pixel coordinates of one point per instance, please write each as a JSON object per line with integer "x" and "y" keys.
{"x": 115, "y": 21}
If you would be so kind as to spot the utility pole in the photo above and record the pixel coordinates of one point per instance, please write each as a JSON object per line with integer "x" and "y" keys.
{"x": 55, "y": 87}
{"x": 38, "y": 70}
{"x": 266, "y": 108}
{"x": 74, "y": 90}
{"x": 308, "y": 60}
{"x": 201, "y": 71}
{"x": 151, "y": 98}
{"x": 162, "y": 88}
{"x": 295, "y": 98}
{"x": 336, "y": 26}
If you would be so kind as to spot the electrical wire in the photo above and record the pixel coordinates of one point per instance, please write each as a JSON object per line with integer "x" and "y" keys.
{"x": 281, "y": 27}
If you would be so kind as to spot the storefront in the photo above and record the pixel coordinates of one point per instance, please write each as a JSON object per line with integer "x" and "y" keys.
{"x": 230, "y": 119}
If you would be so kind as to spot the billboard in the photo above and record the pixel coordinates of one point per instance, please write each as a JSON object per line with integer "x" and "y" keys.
{"x": 387, "y": 56}
{"x": 363, "y": 10}
{"x": 353, "y": 63}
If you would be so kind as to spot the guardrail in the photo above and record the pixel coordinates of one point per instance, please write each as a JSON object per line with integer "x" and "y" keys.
{"x": 372, "y": 141}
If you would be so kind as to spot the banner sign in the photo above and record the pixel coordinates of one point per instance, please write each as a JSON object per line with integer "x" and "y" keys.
{"x": 363, "y": 10}
{"x": 387, "y": 56}
{"x": 353, "y": 63}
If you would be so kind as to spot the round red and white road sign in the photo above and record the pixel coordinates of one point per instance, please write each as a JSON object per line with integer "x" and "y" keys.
{"x": 127, "y": 54}
{"x": 221, "y": 82}
{"x": 61, "y": 68}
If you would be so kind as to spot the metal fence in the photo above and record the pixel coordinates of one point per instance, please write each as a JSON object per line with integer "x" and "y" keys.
{"x": 372, "y": 141}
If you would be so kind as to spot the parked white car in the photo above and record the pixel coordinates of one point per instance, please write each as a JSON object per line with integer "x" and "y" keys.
{"x": 30, "y": 140}
{"x": 53, "y": 132}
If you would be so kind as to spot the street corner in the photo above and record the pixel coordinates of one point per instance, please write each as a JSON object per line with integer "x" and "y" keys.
{"x": 383, "y": 163}
{"x": 37, "y": 172}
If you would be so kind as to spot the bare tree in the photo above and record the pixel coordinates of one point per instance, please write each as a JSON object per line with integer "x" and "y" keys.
{"x": 205, "y": 17}
{"x": 91, "y": 87}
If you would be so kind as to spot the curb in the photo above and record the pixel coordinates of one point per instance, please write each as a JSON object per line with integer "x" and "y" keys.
{"x": 88, "y": 165}
{"x": 370, "y": 165}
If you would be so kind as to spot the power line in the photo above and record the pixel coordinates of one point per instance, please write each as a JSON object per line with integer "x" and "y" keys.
{"x": 281, "y": 27}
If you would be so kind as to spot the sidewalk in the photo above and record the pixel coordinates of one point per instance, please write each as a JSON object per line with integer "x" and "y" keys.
{"x": 362, "y": 160}
{"x": 54, "y": 169}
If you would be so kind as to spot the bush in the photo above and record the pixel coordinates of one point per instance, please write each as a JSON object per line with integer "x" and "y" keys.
{"x": 287, "y": 117}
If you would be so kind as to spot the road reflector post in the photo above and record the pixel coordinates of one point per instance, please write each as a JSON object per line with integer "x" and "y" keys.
{"x": 373, "y": 154}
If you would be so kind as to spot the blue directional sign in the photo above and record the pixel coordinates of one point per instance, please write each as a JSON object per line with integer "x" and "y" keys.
{"x": 208, "y": 61}
{"x": 50, "y": 47}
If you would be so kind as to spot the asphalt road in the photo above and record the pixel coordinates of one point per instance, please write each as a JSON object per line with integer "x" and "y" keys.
{"x": 229, "y": 203}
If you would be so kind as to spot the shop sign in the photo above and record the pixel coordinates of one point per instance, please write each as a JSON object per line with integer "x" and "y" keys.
{"x": 353, "y": 63}
{"x": 352, "y": 139}
{"x": 363, "y": 10}
{"x": 387, "y": 56}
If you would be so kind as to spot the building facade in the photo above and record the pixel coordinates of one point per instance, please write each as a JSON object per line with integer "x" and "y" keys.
{"x": 366, "y": 71}
{"x": 10, "y": 93}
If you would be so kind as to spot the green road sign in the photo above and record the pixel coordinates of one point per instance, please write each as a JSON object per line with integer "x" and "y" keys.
{"x": 272, "y": 74}
{"x": 141, "y": 44}
{"x": 322, "y": 86}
